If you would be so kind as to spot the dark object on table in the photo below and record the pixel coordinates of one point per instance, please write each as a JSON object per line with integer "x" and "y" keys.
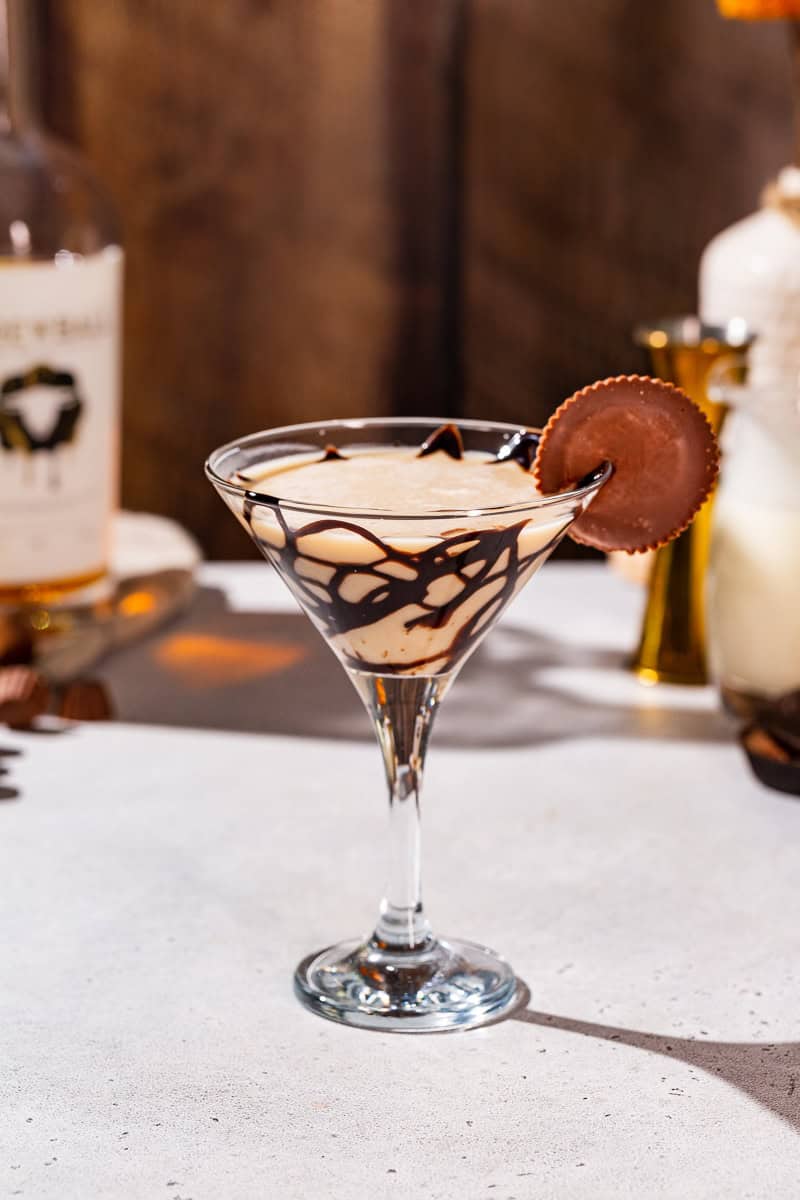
{"x": 16, "y": 641}
{"x": 86, "y": 700}
{"x": 24, "y": 696}
{"x": 782, "y": 719}
{"x": 772, "y": 742}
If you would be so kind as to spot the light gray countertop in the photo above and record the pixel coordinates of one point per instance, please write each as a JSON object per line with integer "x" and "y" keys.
{"x": 161, "y": 876}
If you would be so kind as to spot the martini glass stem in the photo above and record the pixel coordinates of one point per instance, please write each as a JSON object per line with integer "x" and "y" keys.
{"x": 402, "y": 709}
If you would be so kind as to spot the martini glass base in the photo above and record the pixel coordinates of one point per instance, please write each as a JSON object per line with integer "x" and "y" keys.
{"x": 442, "y": 985}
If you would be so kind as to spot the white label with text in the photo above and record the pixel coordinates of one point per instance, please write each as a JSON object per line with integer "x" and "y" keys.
{"x": 59, "y": 416}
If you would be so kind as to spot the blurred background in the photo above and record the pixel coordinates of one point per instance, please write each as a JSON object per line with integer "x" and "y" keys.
{"x": 370, "y": 206}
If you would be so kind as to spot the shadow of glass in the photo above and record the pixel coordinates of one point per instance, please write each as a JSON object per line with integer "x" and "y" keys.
{"x": 767, "y": 1072}
{"x": 271, "y": 672}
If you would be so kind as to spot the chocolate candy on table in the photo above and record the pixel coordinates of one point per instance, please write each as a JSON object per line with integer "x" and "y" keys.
{"x": 24, "y": 696}
{"x": 86, "y": 700}
{"x": 781, "y": 718}
{"x": 16, "y": 641}
{"x": 771, "y": 763}
{"x": 772, "y": 743}
{"x": 663, "y": 451}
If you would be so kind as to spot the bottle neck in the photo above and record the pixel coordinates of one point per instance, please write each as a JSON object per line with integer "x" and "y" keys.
{"x": 19, "y": 100}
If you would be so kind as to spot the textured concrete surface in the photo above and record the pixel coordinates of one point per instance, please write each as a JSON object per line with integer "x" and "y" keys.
{"x": 159, "y": 884}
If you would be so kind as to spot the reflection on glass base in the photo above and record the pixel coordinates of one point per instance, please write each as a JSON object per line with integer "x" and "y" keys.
{"x": 442, "y": 985}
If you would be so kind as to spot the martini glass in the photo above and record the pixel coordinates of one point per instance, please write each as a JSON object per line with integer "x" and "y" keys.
{"x": 403, "y": 599}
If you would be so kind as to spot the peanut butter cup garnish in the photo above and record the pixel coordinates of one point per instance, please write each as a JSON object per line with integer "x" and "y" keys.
{"x": 662, "y": 449}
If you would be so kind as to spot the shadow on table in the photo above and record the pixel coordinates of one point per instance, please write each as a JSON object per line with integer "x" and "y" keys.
{"x": 767, "y": 1072}
{"x": 265, "y": 672}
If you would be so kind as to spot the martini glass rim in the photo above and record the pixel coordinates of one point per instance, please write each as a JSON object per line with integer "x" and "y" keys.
{"x": 591, "y": 483}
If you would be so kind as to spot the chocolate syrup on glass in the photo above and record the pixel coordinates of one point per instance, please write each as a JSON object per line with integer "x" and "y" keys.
{"x": 474, "y": 558}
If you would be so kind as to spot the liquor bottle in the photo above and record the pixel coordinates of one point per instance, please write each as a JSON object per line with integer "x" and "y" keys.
{"x": 752, "y": 270}
{"x": 60, "y": 327}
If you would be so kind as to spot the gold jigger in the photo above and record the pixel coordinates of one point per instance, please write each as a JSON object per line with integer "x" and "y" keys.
{"x": 672, "y": 647}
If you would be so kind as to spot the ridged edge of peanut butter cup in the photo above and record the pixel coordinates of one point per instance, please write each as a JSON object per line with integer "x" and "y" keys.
{"x": 637, "y": 509}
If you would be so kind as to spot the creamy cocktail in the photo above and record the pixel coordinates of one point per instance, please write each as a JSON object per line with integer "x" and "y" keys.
{"x": 404, "y": 542}
{"x": 411, "y": 594}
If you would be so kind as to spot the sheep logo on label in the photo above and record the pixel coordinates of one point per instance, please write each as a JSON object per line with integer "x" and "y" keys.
{"x": 40, "y": 412}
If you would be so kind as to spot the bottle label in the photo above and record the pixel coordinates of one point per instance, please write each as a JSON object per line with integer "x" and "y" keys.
{"x": 59, "y": 416}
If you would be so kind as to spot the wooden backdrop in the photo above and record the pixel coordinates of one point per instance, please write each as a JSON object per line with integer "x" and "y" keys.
{"x": 340, "y": 207}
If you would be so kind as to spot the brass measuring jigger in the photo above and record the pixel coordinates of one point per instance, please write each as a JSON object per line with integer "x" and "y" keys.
{"x": 672, "y": 646}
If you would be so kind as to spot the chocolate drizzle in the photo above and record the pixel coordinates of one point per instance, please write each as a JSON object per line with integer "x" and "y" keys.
{"x": 521, "y": 449}
{"x": 385, "y": 581}
{"x": 446, "y": 438}
{"x": 250, "y": 503}
{"x": 349, "y": 579}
